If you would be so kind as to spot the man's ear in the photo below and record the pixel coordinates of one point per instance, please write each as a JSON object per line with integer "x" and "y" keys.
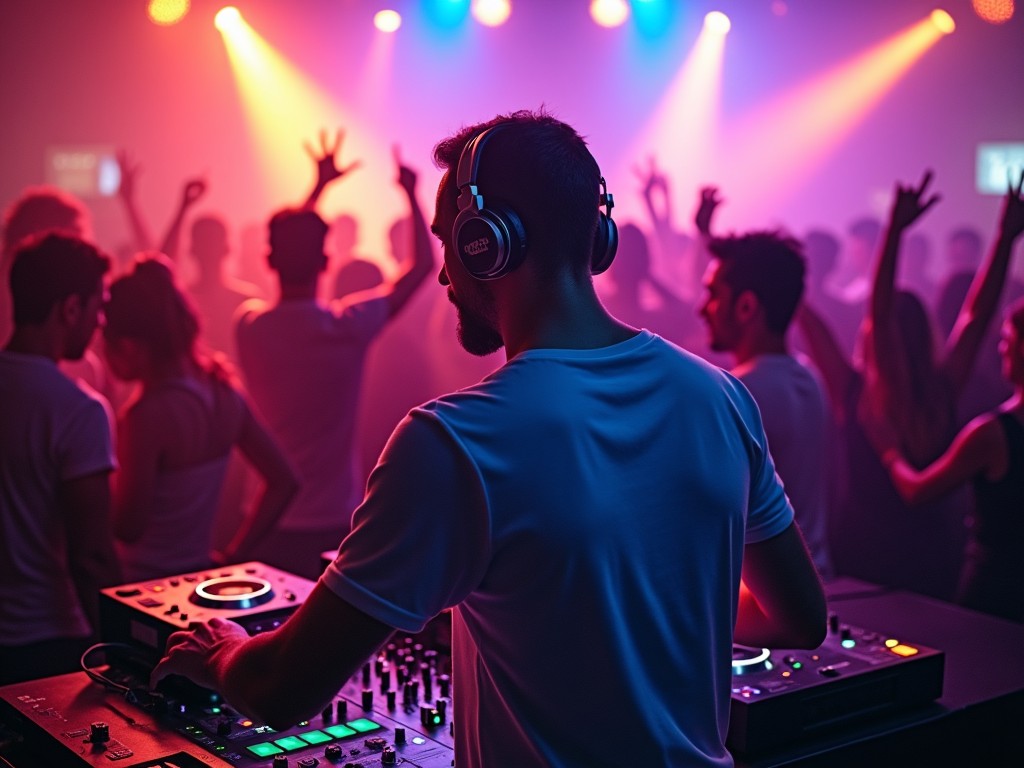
{"x": 747, "y": 306}
{"x": 69, "y": 310}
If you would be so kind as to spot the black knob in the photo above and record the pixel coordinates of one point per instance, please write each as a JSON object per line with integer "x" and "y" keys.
{"x": 389, "y": 756}
{"x": 341, "y": 710}
{"x": 333, "y": 752}
{"x": 280, "y": 761}
{"x": 444, "y": 681}
{"x": 99, "y": 733}
{"x": 328, "y": 713}
{"x": 368, "y": 698}
{"x": 390, "y": 695}
{"x": 399, "y": 735}
{"x": 833, "y": 622}
{"x": 385, "y": 679}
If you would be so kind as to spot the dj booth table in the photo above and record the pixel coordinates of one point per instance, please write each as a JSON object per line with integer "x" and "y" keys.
{"x": 978, "y": 720}
{"x": 973, "y": 722}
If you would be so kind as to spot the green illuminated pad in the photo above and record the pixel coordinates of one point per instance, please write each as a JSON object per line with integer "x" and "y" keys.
{"x": 290, "y": 743}
{"x": 314, "y": 737}
{"x": 340, "y": 731}
{"x": 265, "y": 749}
{"x": 363, "y": 725}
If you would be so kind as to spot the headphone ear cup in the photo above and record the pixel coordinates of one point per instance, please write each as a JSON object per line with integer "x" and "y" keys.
{"x": 491, "y": 242}
{"x": 606, "y": 242}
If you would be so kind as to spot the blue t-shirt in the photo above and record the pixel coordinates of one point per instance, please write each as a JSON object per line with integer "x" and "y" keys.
{"x": 584, "y": 512}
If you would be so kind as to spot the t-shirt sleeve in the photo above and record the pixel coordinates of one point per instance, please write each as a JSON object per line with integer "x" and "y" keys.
{"x": 366, "y": 319}
{"x": 85, "y": 446}
{"x": 769, "y": 512}
{"x": 420, "y": 541}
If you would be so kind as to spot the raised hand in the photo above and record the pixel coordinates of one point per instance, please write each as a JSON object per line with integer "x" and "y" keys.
{"x": 1011, "y": 224}
{"x": 406, "y": 176}
{"x": 326, "y": 163}
{"x": 910, "y": 203}
{"x": 709, "y": 201}
{"x": 129, "y": 171}
{"x": 652, "y": 178}
{"x": 193, "y": 190}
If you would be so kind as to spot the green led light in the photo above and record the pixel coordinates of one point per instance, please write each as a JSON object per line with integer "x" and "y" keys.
{"x": 340, "y": 731}
{"x": 797, "y": 665}
{"x": 291, "y": 743}
{"x": 314, "y": 737}
{"x": 265, "y": 749}
{"x": 849, "y": 643}
{"x": 363, "y": 725}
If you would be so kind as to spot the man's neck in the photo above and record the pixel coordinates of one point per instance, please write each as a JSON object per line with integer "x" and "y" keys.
{"x": 296, "y": 291}
{"x": 32, "y": 340}
{"x": 760, "y": 344}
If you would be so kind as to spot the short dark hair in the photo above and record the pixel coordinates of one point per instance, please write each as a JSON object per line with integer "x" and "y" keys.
{"x": 770, "y": 265}
{"x": 542, "y": 169}
{"x": 48, "y": 268}
{"x": 296, "y": 240}
{"x": 40, "y": 209}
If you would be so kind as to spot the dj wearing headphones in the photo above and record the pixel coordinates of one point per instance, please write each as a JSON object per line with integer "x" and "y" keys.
{"x": 586, "y": 510}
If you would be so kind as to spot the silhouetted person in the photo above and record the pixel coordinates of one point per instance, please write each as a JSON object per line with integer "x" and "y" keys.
{"x": 912, "y": 384}
{"x": 821, "y": 249}
{"x": 56, "y": 457}
{"x": 989, "y": 454}
{"x": 602, "y": 480}
{"x": 303, "y": 363}
{"x": 633, "y": 281}
{"x": 39, "y": 210}
{"x": 176, "y": 436}
{"x": 753, "y": 286}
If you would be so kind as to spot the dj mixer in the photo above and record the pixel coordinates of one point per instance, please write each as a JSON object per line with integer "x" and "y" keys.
{"x": 396, "y": 710}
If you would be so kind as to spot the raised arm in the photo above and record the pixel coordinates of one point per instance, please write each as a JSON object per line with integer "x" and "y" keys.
{"x": 190, "y": 194}
{"x": 126, "y": 192}
{"x": 279, "y": 488}
{"x": 909, "y": 204}
{"x": 828, "y": 356}
{"x": 422, "y": 265}
{"x": 654, "y": 184}
{"x": 983, "y": 297}
{"x": 327, "y": 169}
{"x": 709, "y": 202}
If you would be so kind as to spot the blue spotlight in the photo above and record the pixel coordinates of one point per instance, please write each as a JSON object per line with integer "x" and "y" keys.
{"x": 447, "y": 14}
{"x": 653, "y": 17}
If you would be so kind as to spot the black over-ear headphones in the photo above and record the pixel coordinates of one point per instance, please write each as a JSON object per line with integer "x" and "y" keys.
{"x": 490, "y": 237}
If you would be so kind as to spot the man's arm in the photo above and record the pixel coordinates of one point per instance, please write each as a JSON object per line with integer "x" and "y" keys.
{"x": 405, "y": 286}
{"x": 324, "y": 643}
{"x": 782, "y": 604}
{"x": 85, "y": 507}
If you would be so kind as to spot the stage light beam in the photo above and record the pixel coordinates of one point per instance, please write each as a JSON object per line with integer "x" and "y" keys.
{"x": 167, "y": 12}
{"x": 943, "y": 21}
{"x": 717, "y": 22}
{"x": 228, "y": 19}
{"x": 609, "y": 13}
{"x": 387, "y": 21}
{"x": 491, "y": 13}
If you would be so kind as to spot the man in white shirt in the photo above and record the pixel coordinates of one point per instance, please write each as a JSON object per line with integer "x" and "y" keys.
{"x": 56, "y": 549}
{"x": 753, "y": 286}
{"x": 304, "y": 362}
{"x": 603, "y": 484}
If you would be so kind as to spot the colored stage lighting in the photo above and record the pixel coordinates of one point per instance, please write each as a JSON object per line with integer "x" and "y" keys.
{"x": 387, "y": 21}
{"x": 943, "y": 21}
{"x": 491, "y": 13}
{"x": 993, "y": 11}
{"x": 227, "y": 19}
{"x": 167, "y": 12}
{"x": 609, "y": 13}
{"x": 717, "y": 22}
